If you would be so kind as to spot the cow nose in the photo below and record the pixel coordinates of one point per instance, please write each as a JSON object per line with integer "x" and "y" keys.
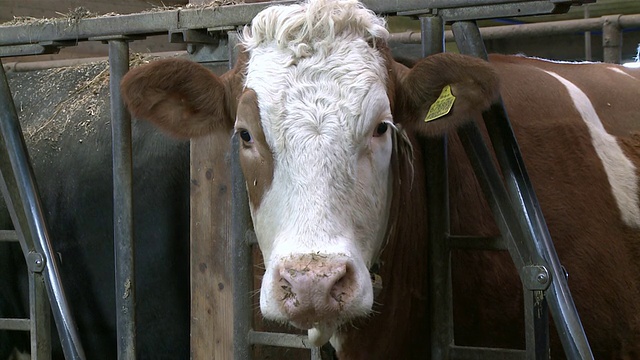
{"x": 315, "y": 287}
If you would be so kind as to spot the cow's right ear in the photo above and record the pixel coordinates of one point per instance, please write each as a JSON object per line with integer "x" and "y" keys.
{"x": 181, "y": 97}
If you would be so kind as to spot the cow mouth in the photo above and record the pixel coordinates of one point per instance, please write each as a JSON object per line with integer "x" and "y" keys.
{"x": 320, "y": 333}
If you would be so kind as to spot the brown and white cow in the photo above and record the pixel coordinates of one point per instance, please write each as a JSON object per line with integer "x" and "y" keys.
{"x": 335, "y": 185}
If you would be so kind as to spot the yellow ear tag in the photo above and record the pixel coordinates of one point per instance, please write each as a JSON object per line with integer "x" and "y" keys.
{"x": 442, "y": 105}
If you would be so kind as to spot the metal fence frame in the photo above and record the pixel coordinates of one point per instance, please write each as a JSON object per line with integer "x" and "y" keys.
{"x": 610, "y": 25}
{"x": 33, "y": 39}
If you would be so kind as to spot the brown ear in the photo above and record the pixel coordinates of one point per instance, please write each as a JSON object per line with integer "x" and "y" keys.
{"x": 181, "y": 97}
{"x": 473, "y": 82}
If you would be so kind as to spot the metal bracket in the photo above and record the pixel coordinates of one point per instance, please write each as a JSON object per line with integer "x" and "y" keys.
{"x": 35, "y": 262}
{"x": 536, "y": 277}
{"x": 192, "y": 36}
{"x": 43, "y": 47}
{"x": 106, "y": 39}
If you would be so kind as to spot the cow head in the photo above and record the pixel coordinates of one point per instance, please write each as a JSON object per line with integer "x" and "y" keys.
{"x": 315, "y": 100}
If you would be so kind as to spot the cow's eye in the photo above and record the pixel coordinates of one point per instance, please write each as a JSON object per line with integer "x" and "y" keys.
{"x": 245, "y": 136}
{"x": 381, "y": 129}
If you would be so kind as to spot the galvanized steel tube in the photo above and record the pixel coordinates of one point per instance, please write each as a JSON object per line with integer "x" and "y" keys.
{"x": 124, "y": 247}
{"x": 20, "y": 192}
{"x": 437, "y": 183}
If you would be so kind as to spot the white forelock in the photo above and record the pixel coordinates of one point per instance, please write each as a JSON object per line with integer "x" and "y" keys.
{"x": 312, "y": 26}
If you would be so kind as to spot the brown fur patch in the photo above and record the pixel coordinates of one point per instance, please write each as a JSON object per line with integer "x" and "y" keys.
{"x": 473, "y": 82}
{"x": 181, "y": 97}
{"x": 256, "y": 158}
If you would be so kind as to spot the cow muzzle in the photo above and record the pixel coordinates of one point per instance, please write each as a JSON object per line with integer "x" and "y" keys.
{"x": 315, "y": 288}
{"x": 319, "y": 292}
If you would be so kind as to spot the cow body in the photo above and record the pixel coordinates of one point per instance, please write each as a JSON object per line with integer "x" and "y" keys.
{"x": 66, "y": 120}
{"x": 328, "y": 124}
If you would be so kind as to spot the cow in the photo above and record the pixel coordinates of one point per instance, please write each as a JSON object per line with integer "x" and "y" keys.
{"x": 65, "y": 115}
{"x": 328, "y": 126}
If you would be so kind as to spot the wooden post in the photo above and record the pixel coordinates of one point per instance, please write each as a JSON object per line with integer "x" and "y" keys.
{"x": 211, "y": 292}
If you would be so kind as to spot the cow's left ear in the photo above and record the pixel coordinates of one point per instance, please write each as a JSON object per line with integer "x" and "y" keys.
{"x": 444, "y": 91}
{"x": 181, "y": 97}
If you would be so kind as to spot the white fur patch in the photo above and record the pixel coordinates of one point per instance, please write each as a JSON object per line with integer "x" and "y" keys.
{"x": 621, "y": 172}
{"x": 619, "y": 71}
{"x": 321, "y": 90}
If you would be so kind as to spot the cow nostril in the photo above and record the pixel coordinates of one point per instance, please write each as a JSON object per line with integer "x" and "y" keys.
{"x": 343, "y": 285}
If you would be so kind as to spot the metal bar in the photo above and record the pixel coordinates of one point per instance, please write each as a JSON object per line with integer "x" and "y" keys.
{"x": 24, "y": 66}
{"x": 241, "y": 261}
{"x": 15, "y": 324}
{"x": 9, "y": 235}
{"x": 437, "y": 182}
{"x": 161, "y": 22}
{"x": 529, "y": 30}
{"x": 432, "y": 30}
{"x": 587, "y": 37}
{"x": 477, "y": 243}
{"x": 496, "y": 194}
{"x": 279, "y": 339}
{"x": 26, "y": 50}
{"x": 241, "y": 248}
{"x": 528, "y": 210}
{"x": 492, "y": 11}
{"x": 565, "y": 315}
{"x": 612, "y": 39}
{"x": 19, "y": 190}
{"x": 124, "y": 246}
{"x": 536, "y": 315}
{"x": 40, "y": 316}
{"x": 478, "y": 353}
{"x": 316, "y": 353}
{"x": 505, "y": 217}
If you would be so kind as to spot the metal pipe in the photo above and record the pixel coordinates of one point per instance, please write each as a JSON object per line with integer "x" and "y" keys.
{"x": 529, "y": 30}
{"x": 20, "y": 192}
{"x": 124, "y": 246}
{"x": 437, "y": 183}
{"x": 565, "y": 314}
{"x": 432, "y": 39}
{"x": 612, "y": 39}
{"x": 23, "y": 66}
{"x": 587, "y": 38}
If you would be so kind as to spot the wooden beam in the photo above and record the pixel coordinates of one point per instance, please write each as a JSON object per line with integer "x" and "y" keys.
{"x": 211, "y": 291}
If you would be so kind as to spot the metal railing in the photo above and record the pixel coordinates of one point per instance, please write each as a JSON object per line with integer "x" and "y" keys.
{"x": 190, "y": 25}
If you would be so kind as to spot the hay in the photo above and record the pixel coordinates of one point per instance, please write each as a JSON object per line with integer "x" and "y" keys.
{"x": 211, "y": 5}
{"x": 54, "y": 105}
{"x": 75, "y": 15}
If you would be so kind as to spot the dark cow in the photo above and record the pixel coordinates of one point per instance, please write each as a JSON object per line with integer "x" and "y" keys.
{"x": 65, "y": 117}
{"x": 335, "y": 188}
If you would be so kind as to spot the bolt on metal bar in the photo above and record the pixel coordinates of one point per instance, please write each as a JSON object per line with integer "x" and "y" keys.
{"x": 124, "y": 246}
{"x": 20, "y": 192}
{"x": 527, "y": 208}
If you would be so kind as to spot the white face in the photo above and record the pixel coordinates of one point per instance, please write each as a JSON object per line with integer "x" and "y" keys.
{"x": 322, "y": 132}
